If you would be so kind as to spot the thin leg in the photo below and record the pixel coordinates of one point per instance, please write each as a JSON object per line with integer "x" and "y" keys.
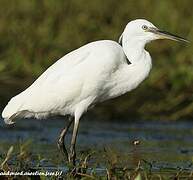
{"x": 72, "y": 156}
{"x": 61, "y": 143}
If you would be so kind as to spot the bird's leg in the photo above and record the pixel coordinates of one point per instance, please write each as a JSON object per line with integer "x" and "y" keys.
{"x": 72, "y": 156}
{"x": 61, "y": 139}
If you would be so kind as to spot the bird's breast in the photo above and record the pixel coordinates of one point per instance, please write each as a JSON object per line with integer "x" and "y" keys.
{"x": 127, "y": 78}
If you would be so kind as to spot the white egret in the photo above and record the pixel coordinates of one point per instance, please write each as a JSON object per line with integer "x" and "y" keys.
{"x": 91, "y": 74}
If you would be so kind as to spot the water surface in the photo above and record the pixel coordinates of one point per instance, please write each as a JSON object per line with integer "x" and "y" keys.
{"x": 165, "y": 144}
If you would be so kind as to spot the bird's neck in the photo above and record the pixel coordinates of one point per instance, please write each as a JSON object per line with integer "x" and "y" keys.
{"x": 130, "y": 76}
{"x": 133, "y": 49}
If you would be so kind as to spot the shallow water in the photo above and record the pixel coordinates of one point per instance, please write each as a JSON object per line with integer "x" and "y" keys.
{"x": 164, "y": 144}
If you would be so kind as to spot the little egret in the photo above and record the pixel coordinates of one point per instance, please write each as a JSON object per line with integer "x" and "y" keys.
{"x": 91, "y": 74}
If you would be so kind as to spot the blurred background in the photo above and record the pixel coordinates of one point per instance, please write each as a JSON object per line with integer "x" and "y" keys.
{"x": 36, "y": 33}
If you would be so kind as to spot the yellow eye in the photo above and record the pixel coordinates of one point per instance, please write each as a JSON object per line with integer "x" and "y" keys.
{"x": 144, "y": 27}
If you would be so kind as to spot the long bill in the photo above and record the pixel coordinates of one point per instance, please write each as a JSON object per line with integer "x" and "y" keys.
{"x": 167, "y": 35}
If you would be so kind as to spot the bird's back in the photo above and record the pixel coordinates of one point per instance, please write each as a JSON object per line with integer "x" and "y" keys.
{"x": 76, "y": 79}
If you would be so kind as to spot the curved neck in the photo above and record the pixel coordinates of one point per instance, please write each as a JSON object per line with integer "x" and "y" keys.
{"x": 133, "y": 48}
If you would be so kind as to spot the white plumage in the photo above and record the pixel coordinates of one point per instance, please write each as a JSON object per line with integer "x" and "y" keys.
{"x": 93, "y": 73}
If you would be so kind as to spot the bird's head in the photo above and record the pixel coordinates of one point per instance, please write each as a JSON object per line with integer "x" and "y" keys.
{"x": 143, "y": 30}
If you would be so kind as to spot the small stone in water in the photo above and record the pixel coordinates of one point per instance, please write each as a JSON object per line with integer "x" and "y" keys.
{"x": 136, "y": 142}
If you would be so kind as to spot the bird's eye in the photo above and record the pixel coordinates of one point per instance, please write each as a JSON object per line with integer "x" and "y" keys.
{"x": 144, "y": 27}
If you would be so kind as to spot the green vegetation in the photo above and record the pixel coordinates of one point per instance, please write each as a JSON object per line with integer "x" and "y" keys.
{"x": 20, "y": 159}
{"x": 34, "y": 34}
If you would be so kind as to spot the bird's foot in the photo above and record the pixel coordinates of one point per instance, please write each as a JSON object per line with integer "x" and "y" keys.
{"x": 75, "y": 171}
{"x": 74, "y": 168}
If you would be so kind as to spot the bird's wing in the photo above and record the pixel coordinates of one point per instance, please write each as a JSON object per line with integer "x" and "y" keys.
{"x": 63, "y": 66}
{"x": 77, "y": 76}
{"x": 40, "y": 92}
{"x": 92, "y": 59}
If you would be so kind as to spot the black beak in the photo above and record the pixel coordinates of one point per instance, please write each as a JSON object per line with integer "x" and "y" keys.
{"x": 166, "y": 35}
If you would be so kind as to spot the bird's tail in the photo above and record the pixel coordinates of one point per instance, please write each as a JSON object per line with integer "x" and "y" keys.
{"x": 12, "y": 110}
